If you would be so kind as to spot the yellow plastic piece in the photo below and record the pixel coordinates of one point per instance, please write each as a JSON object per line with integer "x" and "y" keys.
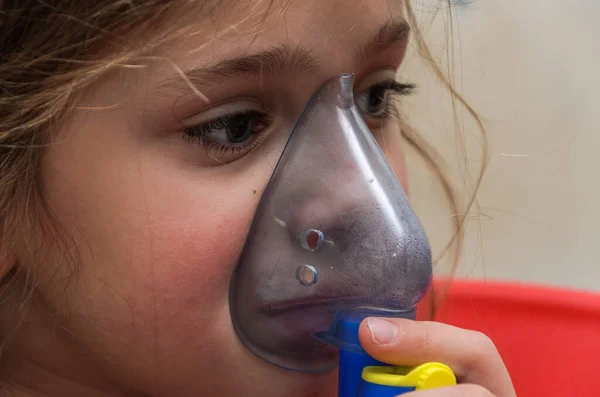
{"x": 423, "y": 377}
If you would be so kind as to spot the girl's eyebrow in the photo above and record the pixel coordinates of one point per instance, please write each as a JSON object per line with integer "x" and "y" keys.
{"x": 394, "y": 32}
{"x": 289, "y": 59}
{"x": 279, "y": 60}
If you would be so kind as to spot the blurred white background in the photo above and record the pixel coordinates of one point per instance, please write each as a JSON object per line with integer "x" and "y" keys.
{"x": 532, "y": 71}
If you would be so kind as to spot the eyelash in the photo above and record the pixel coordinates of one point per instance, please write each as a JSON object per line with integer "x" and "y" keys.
{"x": 397, "y": 89}
{"x": 199, "y": 133}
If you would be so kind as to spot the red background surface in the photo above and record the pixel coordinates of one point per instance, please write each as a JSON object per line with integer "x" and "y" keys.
{"x": 549, "y": 338}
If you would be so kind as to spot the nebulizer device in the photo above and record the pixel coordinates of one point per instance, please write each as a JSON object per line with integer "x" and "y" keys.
{"x": 334, "y": 240}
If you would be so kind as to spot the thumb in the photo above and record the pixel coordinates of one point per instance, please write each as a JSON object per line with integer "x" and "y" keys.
{"x": 471, "y": 355}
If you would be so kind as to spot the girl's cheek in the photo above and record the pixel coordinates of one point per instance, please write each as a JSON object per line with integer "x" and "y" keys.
{"x": 196, "y": 238}
{"x": 196, "y": 257}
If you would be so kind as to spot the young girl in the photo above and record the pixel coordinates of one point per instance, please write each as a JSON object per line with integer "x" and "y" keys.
{"x": 136, "y": 138}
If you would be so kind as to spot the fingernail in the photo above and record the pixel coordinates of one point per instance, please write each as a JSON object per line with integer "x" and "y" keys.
{"x": 383, "y": 332}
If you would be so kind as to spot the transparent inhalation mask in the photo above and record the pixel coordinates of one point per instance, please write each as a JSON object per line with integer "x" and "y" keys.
{"x": 334, "y": 237}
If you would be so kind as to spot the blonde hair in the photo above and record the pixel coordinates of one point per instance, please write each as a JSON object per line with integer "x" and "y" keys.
{"x": 49, "y": 53}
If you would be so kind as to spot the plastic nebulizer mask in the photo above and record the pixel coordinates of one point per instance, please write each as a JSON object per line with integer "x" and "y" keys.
{"x": 334, "y": 240}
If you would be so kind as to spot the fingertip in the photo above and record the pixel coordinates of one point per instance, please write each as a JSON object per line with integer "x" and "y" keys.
{"x": 378, "y": 331}
{"x": 364, "y": 335}
{"x": 363, "y": 331}
{"x": 381, "y": 338}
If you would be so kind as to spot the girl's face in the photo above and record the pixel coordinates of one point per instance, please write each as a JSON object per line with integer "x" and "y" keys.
{"x": 157, "y": 184}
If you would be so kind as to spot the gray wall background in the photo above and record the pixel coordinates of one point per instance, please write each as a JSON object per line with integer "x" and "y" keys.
{"x": 531, "y": 69}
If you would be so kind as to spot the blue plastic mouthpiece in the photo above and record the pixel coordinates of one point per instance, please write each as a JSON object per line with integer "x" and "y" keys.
{"x": 353, "y": 359}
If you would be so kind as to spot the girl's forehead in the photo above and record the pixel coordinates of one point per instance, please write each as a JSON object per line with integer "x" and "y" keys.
{"x": 310, "y": 31}
{"x": 260, "y": 22}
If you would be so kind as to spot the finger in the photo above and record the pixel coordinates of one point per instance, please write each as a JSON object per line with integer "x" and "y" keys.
{"x": 471, "y": 355}
{"x": 465, "y": 390}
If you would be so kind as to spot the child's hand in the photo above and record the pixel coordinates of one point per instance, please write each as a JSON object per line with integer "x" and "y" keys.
{"x": 471, "y": 355}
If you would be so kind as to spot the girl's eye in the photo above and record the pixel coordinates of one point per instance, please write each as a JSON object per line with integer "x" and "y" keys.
{"x": 375, "y": 101}
{"x": 232, "y": 130}
{"x": 230, "y": 136}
